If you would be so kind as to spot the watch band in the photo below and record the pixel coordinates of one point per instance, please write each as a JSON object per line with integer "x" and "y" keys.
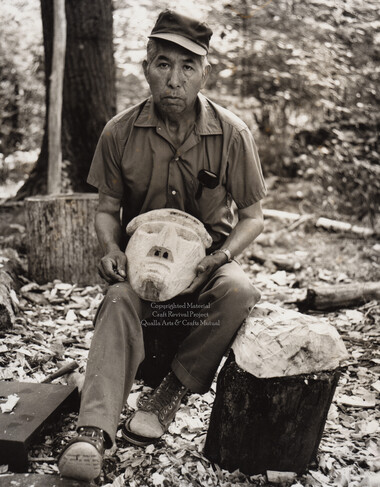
{"x": 226, "y": 252}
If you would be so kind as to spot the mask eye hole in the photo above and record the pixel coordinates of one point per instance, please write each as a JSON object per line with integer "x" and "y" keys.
{"x": 157, "y": 253}
{"x": 150, "y": 229}
{"x": 165, "y": 255}
{"x": 186, "y": 234}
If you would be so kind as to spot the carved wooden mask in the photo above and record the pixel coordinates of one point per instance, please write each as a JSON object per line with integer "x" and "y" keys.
{"x": 163, "y": 252}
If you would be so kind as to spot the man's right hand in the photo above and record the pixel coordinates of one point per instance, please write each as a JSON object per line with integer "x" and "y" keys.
{"x": 113, "y": 267}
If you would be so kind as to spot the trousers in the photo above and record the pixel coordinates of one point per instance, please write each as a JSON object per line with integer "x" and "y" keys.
{"x": 117, "y": 347}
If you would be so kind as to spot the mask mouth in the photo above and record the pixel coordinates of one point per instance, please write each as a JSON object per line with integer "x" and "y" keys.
{"x": 150, "y": 291}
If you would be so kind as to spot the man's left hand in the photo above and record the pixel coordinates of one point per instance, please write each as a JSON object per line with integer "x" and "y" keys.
{"x": 204, "y": 270}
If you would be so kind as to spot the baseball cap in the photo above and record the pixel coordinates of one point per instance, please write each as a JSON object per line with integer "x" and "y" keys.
{"x": 189, "y": 33}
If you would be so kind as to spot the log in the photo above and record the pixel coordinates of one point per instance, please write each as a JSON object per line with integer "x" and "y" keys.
{"x": 10, "y": 269}
{"x": 322, "y": 222}
{"x": 338, "y": 226}
{"x": 62, "y": 242}
{"x": 274, "y": 392}
{"x": 339, "y": 296}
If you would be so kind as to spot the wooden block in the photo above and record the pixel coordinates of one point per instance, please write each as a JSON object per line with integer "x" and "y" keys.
{"x": 36, "y": 480}
{"x": 278, "y": 342}
{"x": 37, "y": 405}
{"x": 268, "y": 424}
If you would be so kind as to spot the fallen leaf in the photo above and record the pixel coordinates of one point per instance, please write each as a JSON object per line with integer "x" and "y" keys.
{"x": 10, "y": 403}
{"x": 157, "y": 479}
{"x": 370, "y": 480}
{"x": 357, "y": 402}
{"x": 71, "y": 317}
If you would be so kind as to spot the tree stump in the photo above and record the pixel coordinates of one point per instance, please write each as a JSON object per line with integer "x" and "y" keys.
{"x": 268, "y": 424}
{"x": 62, "y": 242}
{"x": 273, "y": 394}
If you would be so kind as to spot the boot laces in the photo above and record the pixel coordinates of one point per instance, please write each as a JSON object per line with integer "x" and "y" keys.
{"x": 165, "y": 398}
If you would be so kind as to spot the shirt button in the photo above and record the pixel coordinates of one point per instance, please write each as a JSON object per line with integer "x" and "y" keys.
{"x": 176, "y": 158}
{"x": 174, "y": 192}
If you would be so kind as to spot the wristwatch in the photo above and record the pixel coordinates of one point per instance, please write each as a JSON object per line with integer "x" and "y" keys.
{"x": 226, "y": 252}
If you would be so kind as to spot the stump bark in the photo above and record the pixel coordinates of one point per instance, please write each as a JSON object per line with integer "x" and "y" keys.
{"x": 268, "y": 424}
{"x": 9, "y": 284}
{"x": 62, "y": 242}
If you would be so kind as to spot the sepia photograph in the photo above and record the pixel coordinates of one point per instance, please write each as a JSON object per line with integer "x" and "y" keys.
{"x": 189, "y": 243}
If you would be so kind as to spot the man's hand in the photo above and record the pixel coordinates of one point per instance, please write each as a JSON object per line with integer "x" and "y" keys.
{"x": 113, "y": 267}
{"x": 204, "y": 270}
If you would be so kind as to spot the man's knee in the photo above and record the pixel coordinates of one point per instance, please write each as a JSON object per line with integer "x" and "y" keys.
{"x": 237, "y": 287}
{"x": 121, "y": 293}
{"x": 119, "y": 306}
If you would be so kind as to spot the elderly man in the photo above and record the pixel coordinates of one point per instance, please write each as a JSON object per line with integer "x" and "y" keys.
{"x": 177, "y": 149}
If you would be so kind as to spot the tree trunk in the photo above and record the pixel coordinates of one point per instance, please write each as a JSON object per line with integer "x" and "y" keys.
{"x": 89, "y": 95}
{"x": 268, "y": 424}
{"x": 62, "y": 239}
{"x": 55, "y": 99}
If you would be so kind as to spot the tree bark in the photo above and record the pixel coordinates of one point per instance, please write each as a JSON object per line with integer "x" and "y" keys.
{"x": 55, "y": 98}
{"x": 8, "y": 285}
{"x": 62, "y": 240}
{"x": 89, "y": 94}
{"x": 268, "y": 424}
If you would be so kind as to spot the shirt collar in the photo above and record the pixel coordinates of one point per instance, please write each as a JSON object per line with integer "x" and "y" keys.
{"x": 206, "y": 123}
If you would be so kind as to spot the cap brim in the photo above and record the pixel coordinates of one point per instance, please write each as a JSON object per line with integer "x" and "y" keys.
{"x": 183, "y": 42}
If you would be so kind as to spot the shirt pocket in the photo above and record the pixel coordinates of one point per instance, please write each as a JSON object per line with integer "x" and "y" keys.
{"x": 213, "y": 205}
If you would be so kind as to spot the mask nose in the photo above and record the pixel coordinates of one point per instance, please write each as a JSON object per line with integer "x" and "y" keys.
{"x": 166, "y": 236}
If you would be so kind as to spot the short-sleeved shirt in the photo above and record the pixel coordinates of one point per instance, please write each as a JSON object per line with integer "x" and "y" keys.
{"x": 136, "y": 162}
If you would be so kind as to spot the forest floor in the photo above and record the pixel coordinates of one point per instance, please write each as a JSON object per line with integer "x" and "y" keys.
{"x": 54, "y": 326}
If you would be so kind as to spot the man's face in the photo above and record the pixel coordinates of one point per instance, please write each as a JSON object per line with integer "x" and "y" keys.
{"x": 175, "y": 77}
